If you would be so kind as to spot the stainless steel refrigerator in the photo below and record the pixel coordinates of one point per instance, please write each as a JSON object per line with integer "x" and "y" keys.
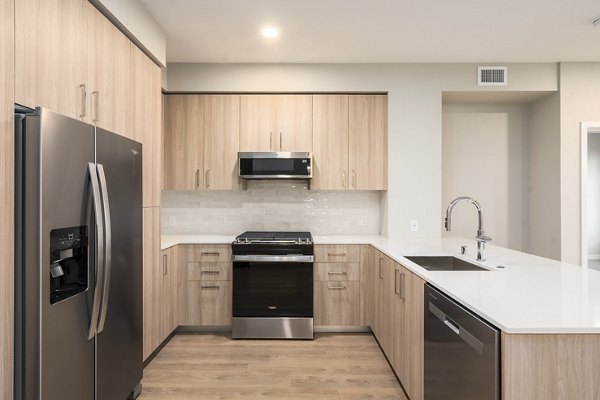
{"x": 78, "y": 331}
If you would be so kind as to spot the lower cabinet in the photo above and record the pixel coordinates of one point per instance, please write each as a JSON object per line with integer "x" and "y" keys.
{"x": 395, "y": 301}
{"x": 207, "y": 273}
{"x": 337, "y": 286}
{"x": 408, "y": 320}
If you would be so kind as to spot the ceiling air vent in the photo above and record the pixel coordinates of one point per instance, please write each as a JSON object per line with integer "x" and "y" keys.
{"x": 492, "y": 76}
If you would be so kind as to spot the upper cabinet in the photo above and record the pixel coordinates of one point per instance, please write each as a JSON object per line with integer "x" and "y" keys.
{"x": 276, "y": 123}
{"x": 368, "y": 142}
{"x": 221, "y": 141}
{"x": 71, "y": 59}
{"x": 346, "y": 133}
{"x": 109, "y": 75}
{"x": 51, "y": 57}
{"x": 201, "y": 142}
{"x": 330, "y": 140}
{"x": 183, "y": 142}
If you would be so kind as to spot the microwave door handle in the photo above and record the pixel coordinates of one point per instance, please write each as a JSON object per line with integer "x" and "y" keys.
{"x": 99, "y": 251}
{"x": 107, "y": 247}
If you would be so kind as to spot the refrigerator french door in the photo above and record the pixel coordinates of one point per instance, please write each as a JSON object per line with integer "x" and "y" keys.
{"x": 78, "y": 261}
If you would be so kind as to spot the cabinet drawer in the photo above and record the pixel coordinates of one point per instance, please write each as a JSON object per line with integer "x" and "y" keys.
{"x": 337, "y": 271}
{"x": 337, "y": 303}
{"x": 208, "y": 253}
{"x": 209, "y": 271}
{"x": 337, "y": 253}
{"x": 208, "y": 303}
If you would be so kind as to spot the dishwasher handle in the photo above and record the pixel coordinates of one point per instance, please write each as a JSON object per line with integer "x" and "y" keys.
{"x": 462, "y": 333}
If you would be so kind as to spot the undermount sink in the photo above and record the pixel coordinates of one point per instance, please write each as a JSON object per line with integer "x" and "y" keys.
{"x": 444, "y": 263}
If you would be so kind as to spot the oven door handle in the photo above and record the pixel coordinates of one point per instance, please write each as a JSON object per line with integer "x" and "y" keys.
{"x": 267, "y": 258}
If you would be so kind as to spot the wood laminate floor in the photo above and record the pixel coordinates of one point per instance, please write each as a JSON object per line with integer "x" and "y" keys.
{"x": 210, "y": 366}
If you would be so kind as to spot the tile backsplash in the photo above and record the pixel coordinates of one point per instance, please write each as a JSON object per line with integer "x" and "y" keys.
{"x": 270, "y": 205}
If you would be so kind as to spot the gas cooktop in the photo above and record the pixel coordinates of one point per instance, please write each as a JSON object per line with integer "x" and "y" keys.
{"x": 256, "y": 237}
{"x": 273, "y": 243}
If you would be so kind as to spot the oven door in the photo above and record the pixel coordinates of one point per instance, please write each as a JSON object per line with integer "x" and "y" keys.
{"x": 272, "y": 286}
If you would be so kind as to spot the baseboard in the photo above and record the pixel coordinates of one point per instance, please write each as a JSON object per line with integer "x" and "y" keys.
{"x": 341, "y": 329}
{"x": 207, "y": 329}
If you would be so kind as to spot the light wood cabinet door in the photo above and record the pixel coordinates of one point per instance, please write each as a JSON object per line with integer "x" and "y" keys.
{"x": 7, "y": 47}
{"x": 209, "y": 303}
{"x": 146, "y": 127}
{"x": 221, "y": 141}
{"x": 152, "y": 280}
{"x": 330, "y": 142}
{"x": 51, "y": 55}
{"x": 337, "y": 303}
{"x": 183, "y": 143}
{"x": 337, "y": 253}
{"x": 366, "y": 301}
{"x": 410, "y": 357}
{"x": 166, "y": 300}
{"x": 294, "y": 123}
{"x": 368, "y": 142}
{"x": 109, "y": 75}
{"x": 257, "y": 123}
{"x": 384, "y": 304}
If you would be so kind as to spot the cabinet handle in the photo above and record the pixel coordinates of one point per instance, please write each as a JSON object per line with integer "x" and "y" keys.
{"x": 280, "y": 141}
{"x": 380, "y": 262}
{"x": 336, "y": 287}
{"x": 210, "y": 253}
{"x": 210, "y": 272}
{"x": 83, "y": 94}
{"x": 164, "y": 264}
{"x": 336, "y": 254}
{"x": 402, "y": 286}
{"x": 336, "y": 273}
{"x": 354, "y": 178}
{"x": 197, "y": 178}
{"x": 95, "y": 108}
{"x": 271, "y": 140}
{"x": 210, "y": 287}
{"x": 396, "y": 275}
{"x": 343, "y": 179}
{"x": 207, "y": 178}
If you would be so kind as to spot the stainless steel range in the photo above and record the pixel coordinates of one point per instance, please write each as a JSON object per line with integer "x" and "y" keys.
{"x": 273, "y": 285}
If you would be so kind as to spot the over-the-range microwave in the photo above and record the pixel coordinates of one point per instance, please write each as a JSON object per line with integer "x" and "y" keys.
{"x": 275, "y": 165}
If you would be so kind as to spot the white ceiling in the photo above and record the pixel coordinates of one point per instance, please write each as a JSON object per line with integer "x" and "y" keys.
{"x": 372, "y": 31}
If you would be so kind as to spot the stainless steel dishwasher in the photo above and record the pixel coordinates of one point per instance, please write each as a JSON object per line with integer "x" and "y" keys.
{"x": 462, "y": 352}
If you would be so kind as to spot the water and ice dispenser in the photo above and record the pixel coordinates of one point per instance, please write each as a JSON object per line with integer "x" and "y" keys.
{"x": 68, "y": 262}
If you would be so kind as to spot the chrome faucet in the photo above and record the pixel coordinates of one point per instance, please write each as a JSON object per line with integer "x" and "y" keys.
{"x": 481, "y": 238}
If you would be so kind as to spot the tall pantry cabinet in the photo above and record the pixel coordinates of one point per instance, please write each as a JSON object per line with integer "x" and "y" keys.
{"x": 71, "y": 59}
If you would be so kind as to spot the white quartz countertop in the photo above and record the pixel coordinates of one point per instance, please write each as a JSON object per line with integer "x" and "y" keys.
{"x": 530, "y": 295}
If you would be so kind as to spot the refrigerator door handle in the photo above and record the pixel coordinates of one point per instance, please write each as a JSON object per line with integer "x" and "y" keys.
{"x": 107, "y": 247}
{"x": 99, "y": 261}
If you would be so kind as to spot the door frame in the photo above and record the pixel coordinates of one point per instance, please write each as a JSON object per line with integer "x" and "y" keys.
{"x": 587, "y": 128}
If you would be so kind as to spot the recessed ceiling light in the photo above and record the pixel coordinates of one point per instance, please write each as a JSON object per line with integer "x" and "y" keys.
{"x": 270, "y": 32}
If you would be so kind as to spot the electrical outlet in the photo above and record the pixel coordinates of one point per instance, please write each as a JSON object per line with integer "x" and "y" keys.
{"x": 362, "y": 221}
{"x": 172, "y": 220}
{"x": 222, "y": 219}
{"x": 414, "y": 225}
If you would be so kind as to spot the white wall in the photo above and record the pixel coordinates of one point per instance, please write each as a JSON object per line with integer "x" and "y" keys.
{"x": 544, "y": 178}
{"x": 579, "y": 101}
{"x": 485, "y": 156}
{"x": 593, "y": 192}
{"x": 415, "y": 115}
{"x": 136, "y": 18}
{"x": 270, "y": 205}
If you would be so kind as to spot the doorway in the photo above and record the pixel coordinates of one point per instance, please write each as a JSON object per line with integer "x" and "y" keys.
{"x": 590, "y": 194}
